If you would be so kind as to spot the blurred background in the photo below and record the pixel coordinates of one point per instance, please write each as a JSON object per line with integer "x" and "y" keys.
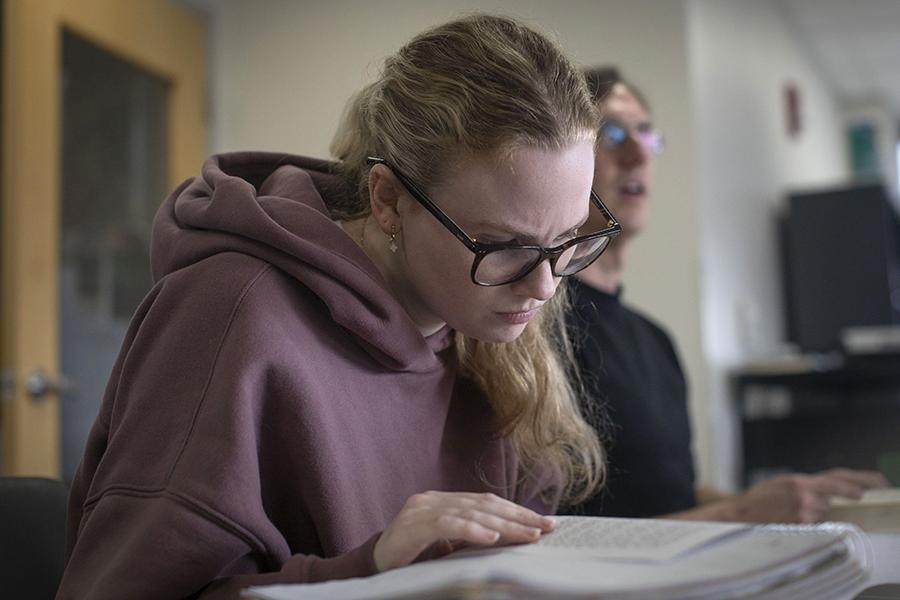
{"x": 772, "y": 255}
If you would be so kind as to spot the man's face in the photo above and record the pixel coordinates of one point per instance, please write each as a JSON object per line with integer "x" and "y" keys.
{"x": 623, "y": 171}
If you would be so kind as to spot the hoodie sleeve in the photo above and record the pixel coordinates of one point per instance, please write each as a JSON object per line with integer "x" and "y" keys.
{"x": 168, "y": 501}
{"x": 135, "y": 545}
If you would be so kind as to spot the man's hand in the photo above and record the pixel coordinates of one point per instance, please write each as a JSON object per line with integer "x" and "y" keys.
{"x": 799, "y": 498}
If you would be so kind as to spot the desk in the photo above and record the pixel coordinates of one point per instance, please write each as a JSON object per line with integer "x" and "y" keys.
{"x": 826, "y": 411}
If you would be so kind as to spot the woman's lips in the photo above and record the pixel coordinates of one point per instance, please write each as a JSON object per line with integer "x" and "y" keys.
{"x": 518, "y": 317}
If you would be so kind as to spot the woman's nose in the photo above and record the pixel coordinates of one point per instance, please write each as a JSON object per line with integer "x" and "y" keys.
{"x": 540, "y": 284}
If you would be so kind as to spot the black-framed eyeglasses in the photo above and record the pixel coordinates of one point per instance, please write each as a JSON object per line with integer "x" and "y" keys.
{"x": 502, "y": 263}
{"x": 613, "y": 134}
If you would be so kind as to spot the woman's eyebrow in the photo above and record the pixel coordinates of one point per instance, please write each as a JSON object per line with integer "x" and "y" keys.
{"x": 502, "y": 229}
{"x": 523, "y": 236}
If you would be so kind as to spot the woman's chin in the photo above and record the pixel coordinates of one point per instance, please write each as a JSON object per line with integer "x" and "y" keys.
{"x": 502, "y": 334}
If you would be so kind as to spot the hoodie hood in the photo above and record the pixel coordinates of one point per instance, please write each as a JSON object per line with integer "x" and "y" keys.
{"x": 273, "y": 207}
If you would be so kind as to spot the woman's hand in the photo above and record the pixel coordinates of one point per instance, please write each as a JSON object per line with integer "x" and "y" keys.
{"x": 436, "y": 523}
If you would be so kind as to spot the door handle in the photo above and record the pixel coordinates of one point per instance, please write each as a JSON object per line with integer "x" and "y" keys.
{"x": 38, "y": 384}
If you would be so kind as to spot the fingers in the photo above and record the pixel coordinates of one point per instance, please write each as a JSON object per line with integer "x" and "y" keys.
{"x": 804, "y": 498}
{"x": 510, "y": 532}
{"x": 864, "y": 479}
{"x": 512, "y": 523}
{"x": 827, "y": 485}
{"x": 847, "y": 483}
{"x": 488, "y": 504}
{"x": 465, "y": 528}
{"x": 433, "y": 523}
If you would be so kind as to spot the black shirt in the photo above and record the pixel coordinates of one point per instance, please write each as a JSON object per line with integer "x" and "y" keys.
{"x": 631, "y": 371}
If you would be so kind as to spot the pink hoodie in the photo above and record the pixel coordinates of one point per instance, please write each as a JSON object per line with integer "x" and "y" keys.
{"x": 273, "y": 405}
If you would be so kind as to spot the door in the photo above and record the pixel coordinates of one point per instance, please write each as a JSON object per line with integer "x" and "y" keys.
{"x": 103, "y": 111}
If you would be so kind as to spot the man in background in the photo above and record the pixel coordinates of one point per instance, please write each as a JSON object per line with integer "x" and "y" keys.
{"x": 631, "y": 369}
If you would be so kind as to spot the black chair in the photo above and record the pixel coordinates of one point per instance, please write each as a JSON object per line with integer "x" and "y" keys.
{"x": 32, "y": 536}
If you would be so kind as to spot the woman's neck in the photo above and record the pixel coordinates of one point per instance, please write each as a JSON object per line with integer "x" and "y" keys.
{"x": 373, "y": 242}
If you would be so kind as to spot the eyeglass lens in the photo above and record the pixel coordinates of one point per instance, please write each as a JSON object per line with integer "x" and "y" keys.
{"x": 506, "y": 265}
{"x": 613, "y": 134}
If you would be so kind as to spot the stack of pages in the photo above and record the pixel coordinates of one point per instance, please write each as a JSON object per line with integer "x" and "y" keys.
{"x": 631, "y": 559}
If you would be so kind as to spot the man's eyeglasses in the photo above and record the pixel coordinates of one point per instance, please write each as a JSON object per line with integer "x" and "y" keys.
{"x": 502, "y": 263}
{"x": 612, "y": 134}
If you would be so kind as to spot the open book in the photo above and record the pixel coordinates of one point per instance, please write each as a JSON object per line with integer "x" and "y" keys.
{"x": 627, "y": 559}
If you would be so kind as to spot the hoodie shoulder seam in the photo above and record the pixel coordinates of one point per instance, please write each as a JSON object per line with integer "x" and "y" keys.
{"x": 195, "y": 506}
{"x": 212, "y": 368}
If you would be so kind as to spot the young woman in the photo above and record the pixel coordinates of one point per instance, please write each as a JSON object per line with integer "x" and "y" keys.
{"x": 345, "y": 367}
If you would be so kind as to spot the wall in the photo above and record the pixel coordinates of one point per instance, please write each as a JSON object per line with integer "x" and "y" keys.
{"x": 714, "y": 71}
{"x": 741, "y": 56}
{"x": 282, "y": 71}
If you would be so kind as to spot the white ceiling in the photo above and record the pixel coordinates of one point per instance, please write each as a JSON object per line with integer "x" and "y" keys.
{"x": 855, "y": 44}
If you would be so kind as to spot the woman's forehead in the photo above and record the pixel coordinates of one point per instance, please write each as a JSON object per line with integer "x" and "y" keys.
{"x": 533, "y": 191}
{"x": 525, "y": 168}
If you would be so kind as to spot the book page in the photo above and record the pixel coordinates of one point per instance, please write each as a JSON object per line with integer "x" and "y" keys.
{"x": 741, "y": 565}
{"x": 630, "y": 539}
{"x": 720, "y": 560}
{"x": 871, "y": 498}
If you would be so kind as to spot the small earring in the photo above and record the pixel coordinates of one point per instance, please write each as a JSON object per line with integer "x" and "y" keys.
{"x": 392, "y": 244}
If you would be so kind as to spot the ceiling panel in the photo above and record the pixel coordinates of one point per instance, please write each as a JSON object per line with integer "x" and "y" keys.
{"x": 856, "y": 45}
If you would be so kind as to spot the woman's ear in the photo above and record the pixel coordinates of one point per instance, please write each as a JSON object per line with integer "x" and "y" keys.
{"x": 385, "y": 191}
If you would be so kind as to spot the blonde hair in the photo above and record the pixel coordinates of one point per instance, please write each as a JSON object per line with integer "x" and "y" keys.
{"x": 485, "y": 86}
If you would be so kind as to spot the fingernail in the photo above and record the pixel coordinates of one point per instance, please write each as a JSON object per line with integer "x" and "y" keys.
{"x": 495, "y": 536}
{"x": 549, "y": 522}
{"x": 534, "y": 532}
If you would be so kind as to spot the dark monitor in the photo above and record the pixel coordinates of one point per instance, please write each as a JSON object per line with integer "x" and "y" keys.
{"x": 842, "y": 264}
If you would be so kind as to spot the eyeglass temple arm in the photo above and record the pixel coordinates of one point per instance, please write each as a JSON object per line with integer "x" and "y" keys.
{"x": 611, "y": 222}
{"x": 423, "y": 199}
{"x": 420, "y": 196}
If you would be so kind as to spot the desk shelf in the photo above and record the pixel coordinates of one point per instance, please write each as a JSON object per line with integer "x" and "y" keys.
{"x": 847, "y": 414}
